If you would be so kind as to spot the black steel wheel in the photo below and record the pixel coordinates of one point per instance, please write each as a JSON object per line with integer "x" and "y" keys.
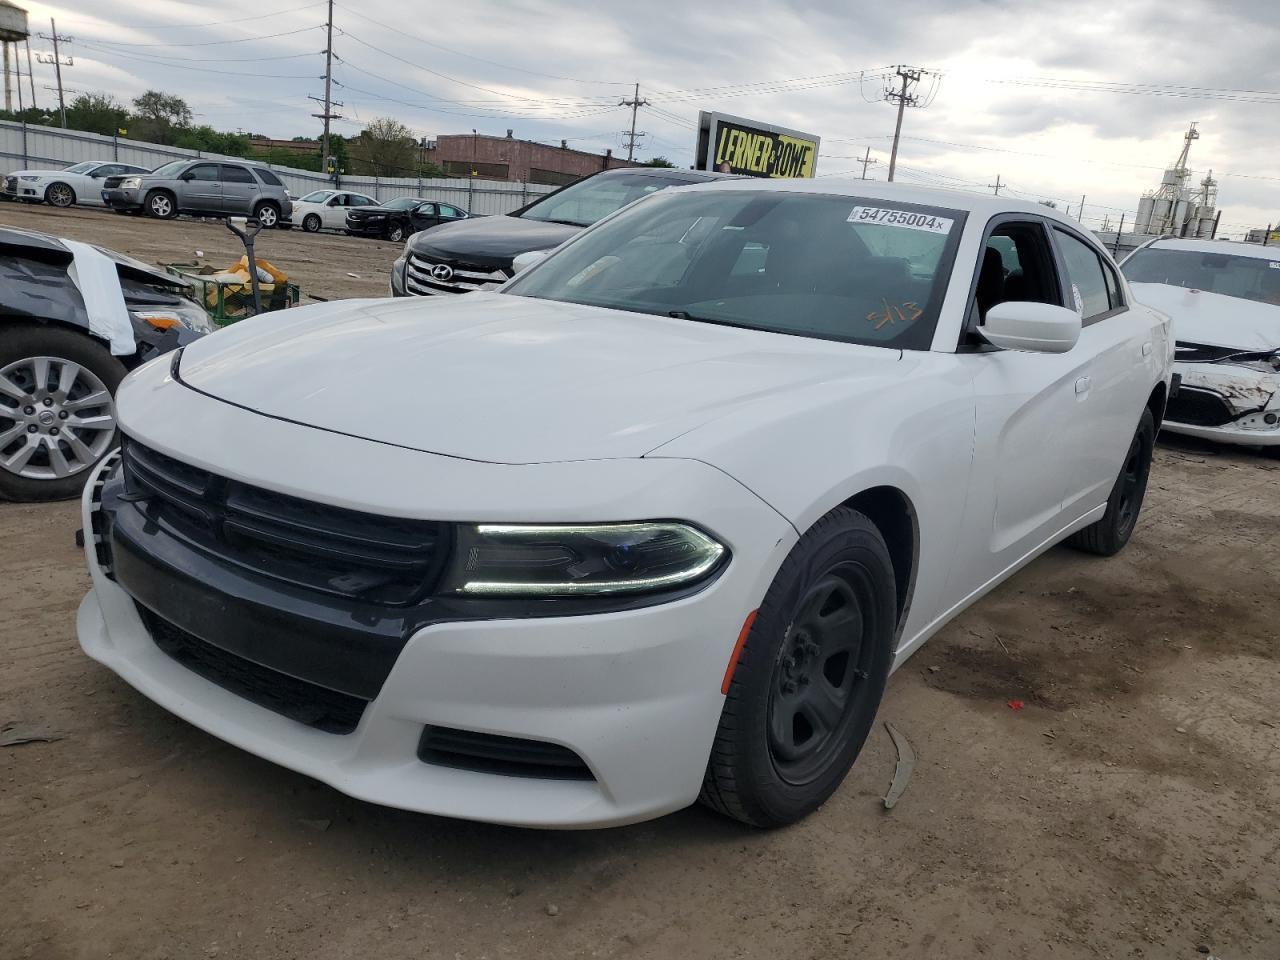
{"x": 809, "y": 677}
{"x": 1108, "y": 536}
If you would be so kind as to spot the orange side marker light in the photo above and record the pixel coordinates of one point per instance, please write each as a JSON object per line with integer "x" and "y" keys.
{"x": 737, "y": 649}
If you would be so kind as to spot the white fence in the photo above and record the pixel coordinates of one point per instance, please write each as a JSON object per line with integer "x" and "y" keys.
{"x": 23, "y": 146}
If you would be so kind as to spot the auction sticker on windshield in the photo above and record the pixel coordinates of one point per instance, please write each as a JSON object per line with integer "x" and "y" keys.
{"x": 901, "y": 218}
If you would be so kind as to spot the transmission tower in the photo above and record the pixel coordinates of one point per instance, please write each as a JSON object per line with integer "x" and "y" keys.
{"x": 906, "y": 95}
{"x": 633, "y": 138}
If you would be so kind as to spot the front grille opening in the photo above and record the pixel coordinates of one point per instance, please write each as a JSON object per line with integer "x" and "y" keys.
{"x": 308, "y": 703}
{"x": 1198, "y": 408}
{"x": 505, "y": 756}
{"x": 330, "y": 549}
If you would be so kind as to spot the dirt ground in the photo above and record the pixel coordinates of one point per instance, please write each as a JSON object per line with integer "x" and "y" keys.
{"x": 320, "y": 263}
{"x": 1131, "y": 808}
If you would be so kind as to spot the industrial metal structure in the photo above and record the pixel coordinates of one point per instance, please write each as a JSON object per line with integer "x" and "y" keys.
{"x": 13, "y": 31}
{"x": 1175, "y": 207}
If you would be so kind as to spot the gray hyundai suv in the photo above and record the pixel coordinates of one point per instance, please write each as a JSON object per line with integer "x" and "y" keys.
{"x": 206, "y": 187}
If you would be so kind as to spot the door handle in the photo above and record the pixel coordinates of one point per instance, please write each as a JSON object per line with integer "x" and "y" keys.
{"x": 1146, "y": 349}
{"x": 1082, "y": 386}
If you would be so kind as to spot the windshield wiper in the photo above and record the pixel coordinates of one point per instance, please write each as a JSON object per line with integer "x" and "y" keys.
{"x": 686, "y": 315}
{"x": 563, "y": 223}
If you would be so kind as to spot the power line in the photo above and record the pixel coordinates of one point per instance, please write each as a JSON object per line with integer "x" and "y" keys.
{"x": 208, "y": 43}
{"x": 57, "y": 65}
{"x": 211, "y": 23}
{"x": 151, "y": 58}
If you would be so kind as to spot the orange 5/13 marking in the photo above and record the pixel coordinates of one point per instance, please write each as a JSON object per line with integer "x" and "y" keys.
{"x": 892, "y": 314}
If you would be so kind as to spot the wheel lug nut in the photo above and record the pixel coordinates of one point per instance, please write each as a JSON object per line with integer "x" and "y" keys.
{"x": 54, "y": 431}
{"x": 48, "y": 402}
{"x": 31, "y": 429}
{"x": 62, "y": 414}
{"x": 28, "y": 410}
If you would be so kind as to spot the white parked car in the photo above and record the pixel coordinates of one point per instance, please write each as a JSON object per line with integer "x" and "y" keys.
{"x": 653, "y": 522}
{"x": 327, "y": 209}
{"x": 1224, "y": 299}
{"x": 78, "y": 183}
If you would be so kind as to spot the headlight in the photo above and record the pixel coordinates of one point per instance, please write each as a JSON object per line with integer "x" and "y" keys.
{"x": 29, "y": 179}
{"x": 1265, "y": 362}
{"x": 130, "y": 183}
{"x": 408, "y": 242}
{"x": 191, "y": 316}
{"x": 519, "y": 560}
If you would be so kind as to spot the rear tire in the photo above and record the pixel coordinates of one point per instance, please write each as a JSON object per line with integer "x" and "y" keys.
{"x": 311, "y": 223}
{"x": 809, "y": 678}
{"x": 267, "y": 214}
{"x": 94, "y": 372}
{"x": 1107, "y": 536}
{"x": 161, "y": 204}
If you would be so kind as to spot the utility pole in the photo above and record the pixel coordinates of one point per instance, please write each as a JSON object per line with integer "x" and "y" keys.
{"x": 31, "y": 77}
{"x": 328, "y": 99}
{"x": 904, "y": 98}
{"x": 1080, "y": 212}
{"x": 866, "y": 159}
{"x": 635, "y": 103}
{"x": 57, "y": 65}
{"x": 997, "y": 185}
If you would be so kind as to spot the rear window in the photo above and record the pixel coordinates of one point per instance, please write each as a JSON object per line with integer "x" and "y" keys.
{"x": 267, "y": 177}
{"x": 1245, "y": 278}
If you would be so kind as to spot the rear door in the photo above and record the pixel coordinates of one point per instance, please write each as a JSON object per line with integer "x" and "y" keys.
{"x": 1119, "y": 343}
{"x": 201, "y": 189}
{"x": 239, "y": 190}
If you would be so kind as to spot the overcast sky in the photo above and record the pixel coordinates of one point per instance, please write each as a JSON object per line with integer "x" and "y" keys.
{"x": 550, "y": 70}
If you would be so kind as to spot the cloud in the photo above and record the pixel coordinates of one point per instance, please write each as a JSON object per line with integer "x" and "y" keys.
{"x": 557, "y": 70}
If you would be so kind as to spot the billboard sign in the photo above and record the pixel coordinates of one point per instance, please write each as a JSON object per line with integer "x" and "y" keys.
{"x": 755, "y": 149}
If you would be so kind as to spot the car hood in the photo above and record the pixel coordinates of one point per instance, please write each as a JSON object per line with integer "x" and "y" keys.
{"x": 1211, "y": 318}
{"x": 38, "y": 173}
{"x": 491, "y": 240}
{"x": 508, "y": 379}
{"x": 365, "y": 211}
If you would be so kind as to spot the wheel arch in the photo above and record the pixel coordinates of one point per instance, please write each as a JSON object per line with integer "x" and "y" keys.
{"x": 894, "y": 515}
{"x": 9, "y": 322}
{"x": 1157, "y": 401}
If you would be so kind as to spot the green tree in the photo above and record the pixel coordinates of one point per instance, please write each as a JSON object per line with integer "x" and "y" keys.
{"x": 659, "y": 162}
{"x": 209, "y": 140}
{"x": 98, "y": 113}
{"x": 384, "y": 148}
{"x": 158, "y": 116}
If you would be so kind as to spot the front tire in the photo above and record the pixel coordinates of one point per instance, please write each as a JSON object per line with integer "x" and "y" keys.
{"x": 161, "y": 204}
{"x": 1107, "y": 536}
{"x": 59, "y": 195}
{"x": 56, "y": 417}
{"x": 311, "y": 223}
{"x": 396, "y": 232}
{"x": 809, "y": 678}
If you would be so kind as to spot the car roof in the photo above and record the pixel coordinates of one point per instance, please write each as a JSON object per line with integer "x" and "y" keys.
{"x": 982, "y": 204}
{"x": 672, "y": 173}
{"x": 1233, "y": 247}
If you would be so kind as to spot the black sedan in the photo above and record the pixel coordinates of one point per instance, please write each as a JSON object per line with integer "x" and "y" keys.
{"x": 67, "y": 338}
{"x": 398, "y": 218}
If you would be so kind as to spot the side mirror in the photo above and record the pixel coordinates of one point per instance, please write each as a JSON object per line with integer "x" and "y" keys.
{"x": 1035, "y": 327}
{"x": 524, "y": 261}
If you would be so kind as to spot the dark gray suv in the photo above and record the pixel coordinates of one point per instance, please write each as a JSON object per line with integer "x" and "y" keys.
{"x": 206, "y": 187}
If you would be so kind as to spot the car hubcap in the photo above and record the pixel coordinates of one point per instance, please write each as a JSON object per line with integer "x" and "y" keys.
{"x": 267, "y": 217}
{"x": 397, "y": 234}
{"x": 56, "y": 418}
{"x": 161, "y": 206}
{"x": 312, "y": 224}
{"x": 815, "y": 679}
{"x": 60, "y": 195}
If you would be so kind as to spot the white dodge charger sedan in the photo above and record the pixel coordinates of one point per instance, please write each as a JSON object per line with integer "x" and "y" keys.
{"x": 651, "y": 523}
{"x": 1224, "y": 302}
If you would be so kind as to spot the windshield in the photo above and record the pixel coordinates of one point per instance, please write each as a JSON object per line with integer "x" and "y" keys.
{"x": 583, "y": 203}
{"x": 838, "y": 268}
{"x": 402, "y": 203}
{"x": 1245, "y": 278}
{"x": 173, "y": 166}
{"x": 81, "y": 167}
{"x": 319, "y": 196}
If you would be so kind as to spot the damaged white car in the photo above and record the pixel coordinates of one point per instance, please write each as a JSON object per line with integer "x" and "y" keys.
{"x": 1224, "y": 299}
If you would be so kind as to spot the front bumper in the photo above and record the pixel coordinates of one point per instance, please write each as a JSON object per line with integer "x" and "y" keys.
{"x": 366, "y": 228}
{"x": 118, "y": 199}
{"x": 15, "y": 188}
{"x": 1226, "y": 403}
{"x": 635, "y": 694}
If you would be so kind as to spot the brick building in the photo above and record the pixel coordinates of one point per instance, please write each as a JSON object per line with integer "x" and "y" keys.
{"x": 506, "y": 158}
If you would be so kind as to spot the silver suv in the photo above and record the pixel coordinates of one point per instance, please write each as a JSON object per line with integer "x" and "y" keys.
{"x": 208, "y": 187}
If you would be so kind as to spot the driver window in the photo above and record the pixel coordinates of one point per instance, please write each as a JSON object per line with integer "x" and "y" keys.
{"x": 1017, "y": 265}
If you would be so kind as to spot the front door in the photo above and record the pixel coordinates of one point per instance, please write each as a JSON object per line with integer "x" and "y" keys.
{"x": 424, "y": 215}
{"x": 201, "y": 189}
